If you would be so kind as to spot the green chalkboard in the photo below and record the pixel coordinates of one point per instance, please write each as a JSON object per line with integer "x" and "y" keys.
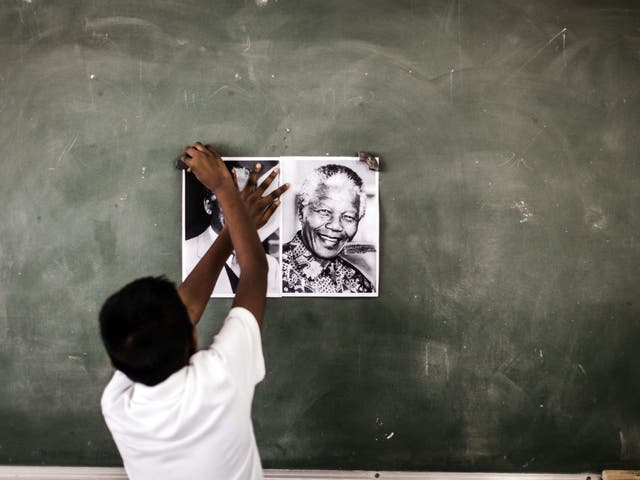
{"x": 505, "y": 334}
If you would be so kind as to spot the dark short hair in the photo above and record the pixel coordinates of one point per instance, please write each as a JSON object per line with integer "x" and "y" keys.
{"x": 146, "y": 330}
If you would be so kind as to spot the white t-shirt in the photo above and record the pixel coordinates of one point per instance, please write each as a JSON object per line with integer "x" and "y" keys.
{"x": 197, "y": 423}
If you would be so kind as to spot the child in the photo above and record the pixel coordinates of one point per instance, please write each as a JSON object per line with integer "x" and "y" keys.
{"x": 175, "y": 412}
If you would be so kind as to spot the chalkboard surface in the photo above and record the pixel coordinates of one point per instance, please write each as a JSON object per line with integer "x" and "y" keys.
{"x": 505, "y": 335}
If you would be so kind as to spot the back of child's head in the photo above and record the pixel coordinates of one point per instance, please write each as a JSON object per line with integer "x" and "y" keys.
{"x": 146, "y": 330}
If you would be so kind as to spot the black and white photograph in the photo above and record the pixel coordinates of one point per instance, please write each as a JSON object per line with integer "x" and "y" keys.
{"x": 203, "y": 219}
{"x": 330, "y": 227}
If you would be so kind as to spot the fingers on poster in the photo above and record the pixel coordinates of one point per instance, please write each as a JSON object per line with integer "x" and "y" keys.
{"x": 323, "y": 240}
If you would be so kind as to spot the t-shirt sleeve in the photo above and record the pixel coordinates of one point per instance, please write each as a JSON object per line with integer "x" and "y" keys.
{"x": 118, "y": 386}
{"x": 239, "y": 345}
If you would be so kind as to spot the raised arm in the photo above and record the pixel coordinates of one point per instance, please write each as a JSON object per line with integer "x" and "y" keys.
{"x": 244, "y": 213}
{"x": 196, "y": 289}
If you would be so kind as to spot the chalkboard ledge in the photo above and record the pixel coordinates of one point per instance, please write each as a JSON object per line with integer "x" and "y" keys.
{"x": 109, "y": 473}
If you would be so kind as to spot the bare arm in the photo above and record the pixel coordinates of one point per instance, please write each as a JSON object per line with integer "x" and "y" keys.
{"x": 196, "y": 288}
{"x": 244, "y": 212}
{"x": 261, "y": 207}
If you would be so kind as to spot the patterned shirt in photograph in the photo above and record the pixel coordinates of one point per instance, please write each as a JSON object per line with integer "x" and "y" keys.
{"x": 302, "y": 271}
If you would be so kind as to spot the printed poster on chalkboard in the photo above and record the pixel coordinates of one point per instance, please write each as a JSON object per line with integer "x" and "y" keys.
{"x": 323, "y": 241}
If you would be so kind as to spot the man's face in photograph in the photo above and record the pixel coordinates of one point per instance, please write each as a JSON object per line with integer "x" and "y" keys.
{"x": 330, "y": 219}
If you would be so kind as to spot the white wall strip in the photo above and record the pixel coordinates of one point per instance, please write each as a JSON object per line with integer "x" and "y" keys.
{"x": 100, "y": 473}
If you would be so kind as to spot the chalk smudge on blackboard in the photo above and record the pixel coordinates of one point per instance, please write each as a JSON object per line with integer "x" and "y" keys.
{"x": 67, "y": 149}
{"x": 538, "y": 52}
{"x": 246, "y": 46}
{"x": 564, "y": 44}
{"x": 451, "y": 72}
{"x": 218, "y": 90}
{"x": 595, "y": 219}
{"x": 523, "y": 209}
{"x": 518, "y": 159}
{"x": 426, "y": 359}
{"x": 436, "y": 359}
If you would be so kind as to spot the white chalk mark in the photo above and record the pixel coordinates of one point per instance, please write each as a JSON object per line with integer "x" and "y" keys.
{"x": 186, "y": 100}
{"x": 218, "y": 90}
{"x": 518, "y": 159}
{"x": 390, "y": 435}
{"x": 446, "y": 361}
{"x": 426, "y": 359}
{"x": 525, "y": 216}
{"x": 262, "y": 3}
{"x": 535, "y": 55}
{"x": 67, "y": 149}
{"x": 247, "y": 44}
{"x": 74, "y": 357}
{"x": 564, "y": 44}
{"x": 584, "y": 372}
{"x": 451, "y": 72}
{"x": 596, "y": 219}
{"x": 252, "y": 72}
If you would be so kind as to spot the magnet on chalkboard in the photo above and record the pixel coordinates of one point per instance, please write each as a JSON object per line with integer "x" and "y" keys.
{"x": 370, "y": 159}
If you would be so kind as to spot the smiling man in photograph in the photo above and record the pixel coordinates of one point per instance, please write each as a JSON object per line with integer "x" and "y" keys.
{"x": 330, "y": 204}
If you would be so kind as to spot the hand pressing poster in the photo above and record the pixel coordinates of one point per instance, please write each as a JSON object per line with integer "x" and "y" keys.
{"x": 322, "y": 241}
{"x": 203, "y": 219}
